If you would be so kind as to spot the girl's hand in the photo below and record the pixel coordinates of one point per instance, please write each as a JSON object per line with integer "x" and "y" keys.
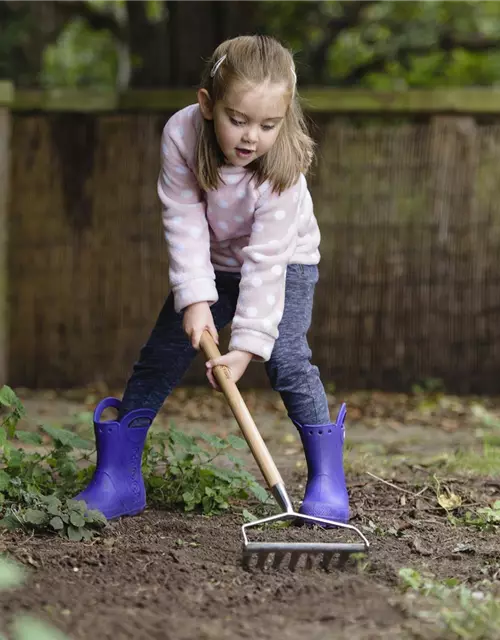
{"x": 197, "y": 318}
{"x": 236, "y": 361}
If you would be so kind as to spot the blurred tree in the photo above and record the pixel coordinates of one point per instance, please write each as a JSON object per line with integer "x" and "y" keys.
{"x": 155, "y": 43}
{"x": 387, "y": 45}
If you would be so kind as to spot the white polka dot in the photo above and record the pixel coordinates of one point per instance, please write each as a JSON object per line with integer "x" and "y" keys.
{"x": 176, "y": 220}
{"x": 252, "y": 312}
{"x": 274, "y": 242}
{"x": 251, "y": 209}
{"x": 256, "y": 281}
{"x": 241, "y": 193}
{"x": 164, "y": 148}
{"x": 258, "y": 227}
{"x": 271, "y": 299}
{"x": 280, "y": 214}
{"x": 195, "y": 232}
{"x": 267, "y": 322}
{"x": 233, "y": 179}
{"x": 187, "y": 193}
{"x": 277, "y": 270}
{"x": 257, "y": 256}
{"x": 223, "y": 225}
{"x": 177, "y": 246}
{"x": 181, "y": 169}
{"x": 180, "y": 132}
{"x": 247, "y": 268}
{"x": 239, "y": 218}
{"x": 224, "y": 204}
{"x": 232, "y": 262}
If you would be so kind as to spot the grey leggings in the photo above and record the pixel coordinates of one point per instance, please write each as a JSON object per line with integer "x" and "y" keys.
{"x": 167, "y": 355}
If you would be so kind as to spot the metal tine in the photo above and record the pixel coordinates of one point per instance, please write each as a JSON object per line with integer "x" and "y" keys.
{"x": 278, "y": 559}
{"x": 343, "y": 558}
{"x": 309, "y": 561}
{"x": 246, "y": 560}
{"x": 325, "y": 560}
{"x": 294, "y": 559}
{"x": 262, "y": 556}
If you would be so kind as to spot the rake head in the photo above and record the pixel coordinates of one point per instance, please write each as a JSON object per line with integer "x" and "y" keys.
{"x": 292, "y": 555}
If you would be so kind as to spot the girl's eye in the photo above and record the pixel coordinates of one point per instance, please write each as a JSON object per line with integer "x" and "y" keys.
{"x": 268, "y": 127}
{"x": 238, "y": 123}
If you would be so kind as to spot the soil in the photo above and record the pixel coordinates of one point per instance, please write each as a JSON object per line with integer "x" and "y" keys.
{"x": 163, "y": 575}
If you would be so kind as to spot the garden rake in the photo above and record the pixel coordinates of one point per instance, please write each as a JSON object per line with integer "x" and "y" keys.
{"x": 275, "y": 554}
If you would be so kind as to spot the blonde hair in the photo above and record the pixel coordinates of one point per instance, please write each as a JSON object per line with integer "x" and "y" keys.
{"x": 252, "y": 60}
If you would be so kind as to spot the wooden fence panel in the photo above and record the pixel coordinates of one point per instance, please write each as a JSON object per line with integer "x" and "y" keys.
{"x": 410, "y": 277}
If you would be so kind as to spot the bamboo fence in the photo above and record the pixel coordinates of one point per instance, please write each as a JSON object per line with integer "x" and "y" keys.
{"x": 406, "y": 192}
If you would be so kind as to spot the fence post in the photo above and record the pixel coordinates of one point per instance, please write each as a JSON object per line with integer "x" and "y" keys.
{"x": 6, "y": 98}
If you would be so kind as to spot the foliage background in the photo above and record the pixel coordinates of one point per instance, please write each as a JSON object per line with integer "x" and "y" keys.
{"x": 159, "y": 43}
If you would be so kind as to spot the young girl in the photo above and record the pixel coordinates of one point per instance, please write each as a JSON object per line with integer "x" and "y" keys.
{"x": 243, "y": 247}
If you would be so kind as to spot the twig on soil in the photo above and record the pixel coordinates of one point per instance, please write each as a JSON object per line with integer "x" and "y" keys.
{"x": 422, "y": 491}
{"x": 394, "y": 486}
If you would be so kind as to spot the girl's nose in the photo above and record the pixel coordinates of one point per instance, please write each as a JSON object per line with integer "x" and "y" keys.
{"x": 251, "y": 135}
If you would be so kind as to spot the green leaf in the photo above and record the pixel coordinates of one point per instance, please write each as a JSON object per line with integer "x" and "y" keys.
{"x": 16, "y": 457}
{"x": 9, "y": 398}
{"x": 259, "y": 492}
{"x": 53, "y": 504}
{"x": 67, "y": 438}
{"x": 213, "y": 441}
{"x": 28, "y": 628}
{"x": 248, "y": 517}
{"x": 97, "y": 517}
{"x": 76, "y": 505}
{"x": 57, "y": 523}
{"x": 3, "y": 436}
{"x": 10, "y": 522}
{"x": 206, "y": 504}
{"x": 236, "y": 442}
{"x": 4, "y": 480}
{"x": 28, "y": 437}
{"x": 11, "y": 574}
{"x": 74, "y": 534}
{"x": 35, "y": 516}
{"x": 76, "y": 519}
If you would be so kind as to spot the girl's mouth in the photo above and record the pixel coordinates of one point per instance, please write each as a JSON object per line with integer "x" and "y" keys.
{"x": 244, "y": 153}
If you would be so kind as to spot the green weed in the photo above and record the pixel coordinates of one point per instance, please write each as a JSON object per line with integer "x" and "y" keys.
{"x": 40, "y": 471}
{"x": 460, "y": 612}
{"x": 180, "y": 471}
{"x": 485, "y": 518}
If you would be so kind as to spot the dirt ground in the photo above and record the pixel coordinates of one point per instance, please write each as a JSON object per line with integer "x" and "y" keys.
{"x": 163, "y": 575}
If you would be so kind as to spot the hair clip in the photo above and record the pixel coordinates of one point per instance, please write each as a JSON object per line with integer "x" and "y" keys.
{"x": 217, "y": 65}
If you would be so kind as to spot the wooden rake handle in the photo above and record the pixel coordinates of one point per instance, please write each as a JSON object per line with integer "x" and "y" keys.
{"x": 240, "y": 411}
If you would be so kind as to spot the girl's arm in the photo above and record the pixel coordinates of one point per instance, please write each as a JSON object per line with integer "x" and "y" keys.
{"x": 262, "y": 289}
{"x": 191, "y": 273}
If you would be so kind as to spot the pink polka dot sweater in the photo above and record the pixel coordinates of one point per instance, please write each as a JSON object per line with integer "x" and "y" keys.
{"x": 238, "y": 227}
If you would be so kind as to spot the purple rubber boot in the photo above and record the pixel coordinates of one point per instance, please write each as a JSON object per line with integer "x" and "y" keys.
{"x": 117, "y": 487}
{"x": 326, "y": 492}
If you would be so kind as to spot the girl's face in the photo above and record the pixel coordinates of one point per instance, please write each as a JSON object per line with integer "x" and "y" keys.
{"x": 247, "y": 121}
